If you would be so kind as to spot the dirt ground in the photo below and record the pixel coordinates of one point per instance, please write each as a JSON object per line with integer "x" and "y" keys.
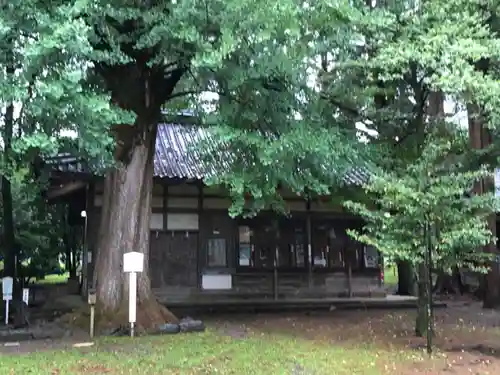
{"x": 467, "y": 337}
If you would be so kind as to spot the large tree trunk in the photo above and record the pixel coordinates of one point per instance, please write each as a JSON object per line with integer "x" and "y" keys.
{"x": 480, "y": 138}
{"x": 125, "y": 227}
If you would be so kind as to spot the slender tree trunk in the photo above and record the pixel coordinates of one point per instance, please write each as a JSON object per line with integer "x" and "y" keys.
{"x": 9, "y": 239}
{"x": 125, "y": 227}
{"x": 421, "y": 323}
{"x": 492, "y": 279}
{"x": 8, "y": 217}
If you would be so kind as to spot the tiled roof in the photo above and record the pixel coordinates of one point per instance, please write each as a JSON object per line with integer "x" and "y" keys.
{"x": 175, "y": 156}
{"x": 65, "y": 162}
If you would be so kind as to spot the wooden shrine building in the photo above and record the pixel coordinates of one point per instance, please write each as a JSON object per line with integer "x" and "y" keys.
{"x": 198, "y": 251}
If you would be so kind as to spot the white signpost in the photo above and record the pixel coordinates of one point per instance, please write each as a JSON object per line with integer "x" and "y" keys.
{"x": 133, "y": 263}
{"x": 26, "y": 296}
{"x": 7, "y": 286}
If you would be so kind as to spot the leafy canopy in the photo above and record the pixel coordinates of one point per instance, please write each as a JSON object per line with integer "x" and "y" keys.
{"x": 293, "y": 79}
{"x": 275, "y": 123}
{"x": 435, "y": 191}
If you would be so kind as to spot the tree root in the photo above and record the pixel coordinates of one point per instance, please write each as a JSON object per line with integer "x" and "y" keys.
{"x": 78, "y": 318}
{"x": 150, "y": 316}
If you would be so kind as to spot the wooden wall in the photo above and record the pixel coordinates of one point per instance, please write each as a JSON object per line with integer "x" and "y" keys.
{"x": 189, "y": 218}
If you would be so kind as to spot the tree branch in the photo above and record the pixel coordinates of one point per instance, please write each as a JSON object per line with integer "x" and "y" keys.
{"x": 184, "y": 93}
{"x": 21, "y": 112}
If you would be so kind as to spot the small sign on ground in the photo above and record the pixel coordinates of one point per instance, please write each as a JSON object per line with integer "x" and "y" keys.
{"x": 83, "y": 344}
{"x": 11, "y": 344}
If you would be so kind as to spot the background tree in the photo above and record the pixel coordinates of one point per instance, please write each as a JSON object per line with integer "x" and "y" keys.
{"x": 417, "y": 55}
{"x": 38, "y": 230}
{"x": 282, "y": 116}
{"x": 434, "y": 192}
{"x": 43, "y": 95}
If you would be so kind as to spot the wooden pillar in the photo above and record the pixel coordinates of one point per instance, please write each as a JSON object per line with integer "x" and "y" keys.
{"x": 199, "y": 245}
{"x": 275, "y": 280}
{"x": 309, "y": 243}
{"x": 91, "y": 210}
{"x": 165, "y": 204}
{"x": 349, "y": 280}
{"x": 86, "y": 271}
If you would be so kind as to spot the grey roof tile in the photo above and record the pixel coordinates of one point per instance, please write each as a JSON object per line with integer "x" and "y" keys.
{"x": 176, "y": 158}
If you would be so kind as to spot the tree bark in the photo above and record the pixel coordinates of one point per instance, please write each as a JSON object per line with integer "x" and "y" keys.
{"x": 125, "y": 227}
{"x": 492, "y": 279}
{"x": 480, "y": 137}
{"x": 9, "y": 239}
{"x": 406, "y": 279}
{"x": 449, "y": 284}
{"x": 421, "y": 321}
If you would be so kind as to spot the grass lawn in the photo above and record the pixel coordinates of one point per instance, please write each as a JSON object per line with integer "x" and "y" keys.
{"x": 49, "y": 279}
{"x": 206, "y": 353}
{"x": 54, "y": 279}
{"x": 361, "y": 342}
{"x": 391, "y": 276}
{"x": 338, "y": 342}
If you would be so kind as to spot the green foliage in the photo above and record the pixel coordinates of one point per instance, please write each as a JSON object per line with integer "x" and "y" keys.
{"x": 435, "y": 191}
{"x": 48, "y": 46}
{"x": 274, "y": 118}
{"x": 306, "y": 161}
{"x": 414, "y": 56}
{"x": 291, "y": 112}
{"x": 38, "y": 228}
{"x": 293, "y": 80}
{"x": 390, "y": 56}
